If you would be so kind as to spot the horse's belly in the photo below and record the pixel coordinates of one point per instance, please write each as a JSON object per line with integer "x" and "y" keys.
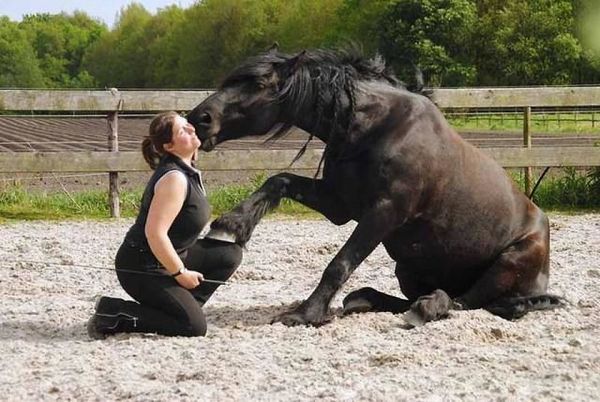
{"x": 425, "y": 247}
{"x": 423, "y": 266}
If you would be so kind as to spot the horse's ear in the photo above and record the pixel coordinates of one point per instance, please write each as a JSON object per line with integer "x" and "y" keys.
{"x": 295, "y": 61}
{"x": 274, "y": 48}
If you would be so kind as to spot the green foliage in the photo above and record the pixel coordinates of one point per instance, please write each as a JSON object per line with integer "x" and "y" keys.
{"x": 216, "y": 35}
{"x": 587, "y": 14}
{"x": 165, "y": 48}
{"x": 436, "y": 35}
{"x": 305, "y": 24}
{"x": 358, "y": 22}
{"x": 571, "y": 190}
{"x": 529, "y": 42}
{"x": 120, "y": 57}
{"x": 18, "y": 64}
{"x": 455, "y": 42}
{"x": 59, "y": 42}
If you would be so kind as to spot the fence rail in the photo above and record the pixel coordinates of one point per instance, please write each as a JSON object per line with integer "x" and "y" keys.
{"x": 259, "y": 159}
{"x": 113, "y": 101}
{"x": 139, "y": 100}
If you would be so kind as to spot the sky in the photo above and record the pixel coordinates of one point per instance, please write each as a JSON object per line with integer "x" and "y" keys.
{"x": 105, "y": 10}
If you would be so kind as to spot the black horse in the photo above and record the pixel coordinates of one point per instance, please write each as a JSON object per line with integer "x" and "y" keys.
{"x": 462, "y": 235}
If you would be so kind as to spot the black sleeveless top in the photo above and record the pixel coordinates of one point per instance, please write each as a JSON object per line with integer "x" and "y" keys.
{"x": 192, "y": 218}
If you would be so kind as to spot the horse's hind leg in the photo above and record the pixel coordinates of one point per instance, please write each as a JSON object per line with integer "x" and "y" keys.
{"x": 429, "y": 307}
{"x": 371, "y": 300}
{"x": 510, "y": 286}
{"x": 521, "y": 270}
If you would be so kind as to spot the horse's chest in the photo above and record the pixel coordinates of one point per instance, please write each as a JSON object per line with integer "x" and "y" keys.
{"x": 350, "y": 187}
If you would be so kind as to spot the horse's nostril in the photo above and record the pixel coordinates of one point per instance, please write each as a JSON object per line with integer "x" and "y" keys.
{"x": 205, "y": 118}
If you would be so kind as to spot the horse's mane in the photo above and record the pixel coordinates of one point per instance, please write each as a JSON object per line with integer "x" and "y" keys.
{"x": 322, "y": 81}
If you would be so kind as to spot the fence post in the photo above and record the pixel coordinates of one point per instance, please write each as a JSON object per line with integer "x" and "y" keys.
{"x": 113, "y": 177}
{"x": 527, "y": 144}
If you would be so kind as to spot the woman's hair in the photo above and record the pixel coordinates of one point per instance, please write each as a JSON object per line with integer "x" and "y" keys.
{"x": 159, "y": 134}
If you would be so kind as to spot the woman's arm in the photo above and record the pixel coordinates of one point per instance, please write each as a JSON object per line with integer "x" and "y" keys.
{"x": 169, "y": 195}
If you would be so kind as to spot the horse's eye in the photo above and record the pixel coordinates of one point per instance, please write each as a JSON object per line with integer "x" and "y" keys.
{"x": 205, "y": 118}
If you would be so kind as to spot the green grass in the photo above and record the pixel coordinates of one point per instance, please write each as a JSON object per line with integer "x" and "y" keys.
{"x": 225, "y": 198}
{"x": 573, "y": 190}
{"x": 570, "y": 191}
{"x": 16, "y": 203}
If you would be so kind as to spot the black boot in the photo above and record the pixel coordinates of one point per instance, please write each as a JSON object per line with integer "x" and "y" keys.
{"x": 125, "y": 316}
{"x": 100, "y": 325}
{"x": 108, "y": 319}
{"x": 108, "y": 305}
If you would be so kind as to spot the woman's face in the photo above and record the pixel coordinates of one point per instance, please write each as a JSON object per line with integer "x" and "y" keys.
{"x": 184, "y": 142}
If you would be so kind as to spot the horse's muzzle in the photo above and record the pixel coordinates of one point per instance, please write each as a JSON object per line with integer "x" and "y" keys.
{"x": 208, "y": 144}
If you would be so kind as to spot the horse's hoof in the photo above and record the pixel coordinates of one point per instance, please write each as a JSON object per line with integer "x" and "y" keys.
{"x": 413, "y": 319}
{"x": 293, "y": 319}
{"x": 360, "y": 301}
{"x": 357, "y": 306}
{"x": 427, "y": 308}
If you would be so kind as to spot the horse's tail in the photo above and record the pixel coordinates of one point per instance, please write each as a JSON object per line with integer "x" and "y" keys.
{"x": 511, "y": 308}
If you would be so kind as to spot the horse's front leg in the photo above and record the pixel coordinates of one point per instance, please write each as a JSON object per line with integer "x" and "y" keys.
{"x": 239, "y": 223}
{"x": 373, "y": 227}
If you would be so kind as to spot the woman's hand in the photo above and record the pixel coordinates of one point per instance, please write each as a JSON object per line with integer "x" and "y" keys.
{"x": 189, "y": 279}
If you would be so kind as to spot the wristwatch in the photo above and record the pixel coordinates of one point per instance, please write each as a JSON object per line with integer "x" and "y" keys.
{"x": 179, "y": 272}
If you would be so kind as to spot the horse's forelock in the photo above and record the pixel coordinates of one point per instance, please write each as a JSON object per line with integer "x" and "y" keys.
{"x": 254, "y": 68}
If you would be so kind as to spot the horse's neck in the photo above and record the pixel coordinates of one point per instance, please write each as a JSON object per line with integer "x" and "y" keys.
{"x": 372, "y": 108}
{"x": 320, "y": 123}
{"x": 321, "y": 132}
{"x": 375, "y": 100}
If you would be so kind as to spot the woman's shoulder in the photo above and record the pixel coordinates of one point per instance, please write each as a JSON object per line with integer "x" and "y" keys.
{"x": 172, "y": 178}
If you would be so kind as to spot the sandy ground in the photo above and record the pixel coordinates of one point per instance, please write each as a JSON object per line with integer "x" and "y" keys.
{"x": 46, "y": 354}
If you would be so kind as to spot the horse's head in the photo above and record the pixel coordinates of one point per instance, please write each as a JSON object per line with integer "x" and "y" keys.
{"x": 247, "y": 102}
{"x": 314, "y": 90}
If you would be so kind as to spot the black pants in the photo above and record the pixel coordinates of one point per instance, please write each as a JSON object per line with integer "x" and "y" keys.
{"x": 163, "y": 306}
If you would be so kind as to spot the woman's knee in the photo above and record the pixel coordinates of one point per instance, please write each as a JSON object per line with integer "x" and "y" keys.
{"x": 197, "y": 325}
{"x": 229, "y": 262}
{"x": 233, "y": 257}
{"x": 198, "y": 330}
{"x": 229, "y": 259}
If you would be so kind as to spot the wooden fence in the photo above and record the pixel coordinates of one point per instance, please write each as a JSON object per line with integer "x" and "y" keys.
{"x": 113, "y": 101}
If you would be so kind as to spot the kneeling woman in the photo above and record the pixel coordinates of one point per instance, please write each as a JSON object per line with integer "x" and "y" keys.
{"x": 161, "y": 262}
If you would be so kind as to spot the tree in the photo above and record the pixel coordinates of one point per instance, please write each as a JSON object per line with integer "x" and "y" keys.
{"x": 164, "y": 50}
{"x": 18, "y": 64}
{"x": 435, "y": 35}
{"x": 60, "y": 41}
{"x": 120, "y": 58}
{"x": 217, "y": 35}
{"x": 305, "y": 24}
{"x": 357, "y": 21}
{"x": 587, "y": 17}
{"x": 526, "y": 42}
